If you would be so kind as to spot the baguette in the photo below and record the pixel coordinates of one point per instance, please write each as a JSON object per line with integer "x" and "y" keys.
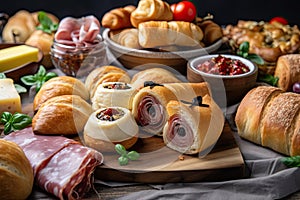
{"x": 288, "y": 71}
{"x": 162, "y": 33}
{"x": 270, "y": 117}
{"x": 151, "y": 10}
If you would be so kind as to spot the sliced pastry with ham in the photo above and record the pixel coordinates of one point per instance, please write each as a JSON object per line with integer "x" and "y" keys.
{"x": 149, "y": 104}
{"x": 193, "y": 127}
{"x": 109, "y": 126}
{"x": 113, "y": 94}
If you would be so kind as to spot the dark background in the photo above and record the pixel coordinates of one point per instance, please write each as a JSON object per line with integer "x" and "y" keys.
{"x": 224, "y": 11}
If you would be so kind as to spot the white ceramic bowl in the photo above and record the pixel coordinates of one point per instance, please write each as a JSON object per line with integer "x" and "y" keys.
{"x": 131, "y": 58}
{"x": 226, "y": 89}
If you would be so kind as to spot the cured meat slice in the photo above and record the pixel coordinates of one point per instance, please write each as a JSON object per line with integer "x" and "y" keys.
{"x": 62, "y": 166}
{"x": 68, "y": 175}
{"x": 38, "y": 148}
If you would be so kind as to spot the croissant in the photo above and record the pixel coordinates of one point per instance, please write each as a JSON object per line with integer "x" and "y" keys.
{"x": 270, "y": 117}
{"x": 127, "y": 37}
{"x": 107, "y": 73}
{"x": 211, "y": 31}
{"x": 61, "y": 85}
{"x": 162, "y": 33}
{"x": 148, "y": 10}
{"x": 62, "y": 115}
{"x": 118, "y": 18}
{"x": 288, "y": 71}
{"x": 19, "y": 27}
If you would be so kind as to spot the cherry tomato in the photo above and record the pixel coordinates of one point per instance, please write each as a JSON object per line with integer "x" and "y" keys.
{"x": 184, "y": 11}
{"x": 280, "y": 20}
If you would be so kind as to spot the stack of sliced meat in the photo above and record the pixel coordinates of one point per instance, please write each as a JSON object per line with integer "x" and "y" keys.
{"x": 61, "y": 166}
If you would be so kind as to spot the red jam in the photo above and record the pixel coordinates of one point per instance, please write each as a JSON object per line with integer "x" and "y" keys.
{"x": 221, "y": 65}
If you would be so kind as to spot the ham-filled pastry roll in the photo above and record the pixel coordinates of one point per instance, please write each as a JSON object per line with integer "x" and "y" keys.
{"x": 113, "y": 94}
{"x": 193, "y": 128}
{"x": 148, "y": 106}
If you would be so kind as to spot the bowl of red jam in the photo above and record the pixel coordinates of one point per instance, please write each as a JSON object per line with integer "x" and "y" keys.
{"x": 230, "y": 77}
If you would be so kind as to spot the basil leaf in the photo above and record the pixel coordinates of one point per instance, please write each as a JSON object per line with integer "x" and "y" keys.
{"x": 2, "y": 76}
{"x": 29, "y": 80}
{"x": 120, "y": 149}
{"x": 6, "y": 117}
{"x": 293, "y": 161}
{"x": 268, "y": 78}
{"x": 41, "y": 72}
{"x": 50, "y": 75}
{"x": 46, "y": 23}
{"x": 7, "y": 128}
{"x": 133, "y": 155}
{"x": 244, "y": 47}
{"x": 20, "y": 121}
{"x": 123, "y": 160}
{"x": 20, "y": 89}
{"x": 256, "y": 59}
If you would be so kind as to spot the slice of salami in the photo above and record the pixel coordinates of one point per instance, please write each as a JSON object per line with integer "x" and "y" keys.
{"x": 62, "y": 166}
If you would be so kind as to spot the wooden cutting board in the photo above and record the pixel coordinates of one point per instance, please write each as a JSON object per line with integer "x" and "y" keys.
{"x": 160, "y": 164}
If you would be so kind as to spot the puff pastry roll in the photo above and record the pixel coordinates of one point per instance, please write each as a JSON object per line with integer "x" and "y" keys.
{"x": 109, "y": 126}
{"x": 113, "y": 94}
{"x": 149, "y": 104}
{"x": 128, "y": 38}
{"x": 62, "y": 115}
{"x": 118, "y": 18}
{"x": 148, "y": 10}
{"x": 107, "y": 73}
{"x": 193, "y": 129}
{"x": 162, "y": 33}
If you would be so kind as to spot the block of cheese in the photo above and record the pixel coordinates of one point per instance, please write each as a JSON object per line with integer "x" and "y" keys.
{"x": 10, "y": 99}
{"x": 16, "y": 56}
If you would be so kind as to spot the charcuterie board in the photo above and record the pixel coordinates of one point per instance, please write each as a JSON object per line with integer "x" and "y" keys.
{"x": 159, "y": 164}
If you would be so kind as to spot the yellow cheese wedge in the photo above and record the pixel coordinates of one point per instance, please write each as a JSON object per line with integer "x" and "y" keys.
{"x": 10, "y": 99}
{"x": 16, "y": 56}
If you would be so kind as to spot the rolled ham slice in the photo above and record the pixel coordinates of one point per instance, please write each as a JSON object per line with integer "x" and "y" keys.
{"x": 62, "y": 166}
{"x": 193, "y": 129}
{"x": 149, "y": 103}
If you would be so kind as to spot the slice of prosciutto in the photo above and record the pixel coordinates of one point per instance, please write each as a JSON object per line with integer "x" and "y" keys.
{"x": 62, "y": 166}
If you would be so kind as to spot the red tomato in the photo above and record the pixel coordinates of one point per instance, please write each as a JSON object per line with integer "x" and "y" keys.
{"x": 280, "y": 20}
{"x": 184, "y": 11}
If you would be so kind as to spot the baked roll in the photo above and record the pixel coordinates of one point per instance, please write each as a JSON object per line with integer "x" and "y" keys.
{"x": 193, "y": 129}
{"x": 127, "y": 37}
{"x": 109, "y": 126}
{"x": 57, "y": 86}
{"x": 16, "y": 172}
{"x": 151, "y": 10}
{"x": 288, "y": 71}
{"x": 113, "y": 94}
{"x": 18, "y": 27}
{"x": 162, "y": 33}
{"x": 157, "y": 75}
{"x": 118, "y": 18}
{"x": 107, "y": 73}
{"x": 61, "y": 115}
{"x": 211, "y": 31}
{"x": 275, "y": 124}
{"x": 149, "y": 104}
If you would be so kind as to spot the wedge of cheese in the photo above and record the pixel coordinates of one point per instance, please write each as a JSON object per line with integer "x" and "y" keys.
{"x": 10, "y": 99}
{"x": 16, "y": 56}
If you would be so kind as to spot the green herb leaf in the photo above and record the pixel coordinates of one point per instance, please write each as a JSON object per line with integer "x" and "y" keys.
{"x": 20, "y": 88}
{"x": 13, "y": 122}
{"x": 256, "y": 59}
{"x": 39, "y": 78}
{"x": 123, "y": 160}
{"x": 133, "y": 155}
{"x": 2, "y": 76}
{"x": 46, "y": 24}
{"x": 267, "y": 78}
{"x": 243, "y": 51}
{"x": 293, "y": 161}
{"x": 244, "y": 47}
{"x": 120, "y": 149}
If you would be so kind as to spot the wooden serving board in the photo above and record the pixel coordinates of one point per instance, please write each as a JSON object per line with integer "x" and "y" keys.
{"x": 160, "y": 164}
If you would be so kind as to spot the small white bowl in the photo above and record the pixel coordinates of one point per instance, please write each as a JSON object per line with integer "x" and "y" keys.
{"x": 226, "y": 89}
